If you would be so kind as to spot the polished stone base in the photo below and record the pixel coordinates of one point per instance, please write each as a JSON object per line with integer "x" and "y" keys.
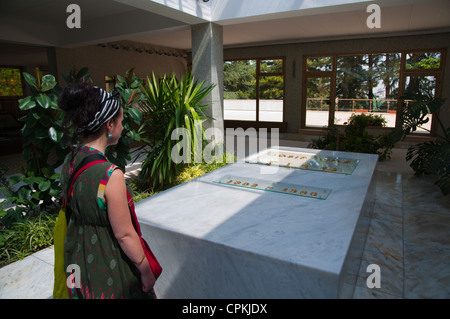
{"x": 219, "y": 241}
{"x": 29, "y": 278}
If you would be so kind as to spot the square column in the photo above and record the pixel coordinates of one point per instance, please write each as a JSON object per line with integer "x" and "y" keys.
{"x": 207, "y": 65}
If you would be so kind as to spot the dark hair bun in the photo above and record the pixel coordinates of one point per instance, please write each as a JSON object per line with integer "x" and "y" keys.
{"x": 80, "y": 103}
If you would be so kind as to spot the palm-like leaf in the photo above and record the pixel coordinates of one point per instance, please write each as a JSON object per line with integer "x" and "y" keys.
{"x": 170, "y": 103}
{"x": 415, "y": 115}
{"x": 430, "y": 158}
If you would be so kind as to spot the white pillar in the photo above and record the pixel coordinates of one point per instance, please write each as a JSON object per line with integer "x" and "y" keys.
{"x": 207, "y": 65}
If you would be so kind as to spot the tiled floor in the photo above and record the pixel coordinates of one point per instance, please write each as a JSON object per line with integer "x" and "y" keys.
{"x": 408, "y": 238}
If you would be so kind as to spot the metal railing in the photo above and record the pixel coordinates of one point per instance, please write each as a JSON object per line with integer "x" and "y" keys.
{"x": 369, "y": 105}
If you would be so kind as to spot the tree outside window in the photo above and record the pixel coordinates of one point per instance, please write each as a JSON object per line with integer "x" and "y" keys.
{"x": 366, "y": 83}
{"x": 254, "y": 90}
{"x": 10, "y": 82}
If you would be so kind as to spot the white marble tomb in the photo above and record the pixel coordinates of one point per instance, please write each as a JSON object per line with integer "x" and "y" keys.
{"x": 221, "y": 241}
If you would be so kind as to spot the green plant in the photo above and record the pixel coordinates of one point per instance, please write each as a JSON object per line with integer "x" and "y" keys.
{"x": 33, "y": 195}
{"x": 193, "y": 170}
{"x": 42, "y": 131}
{"x": 170, "y": 103}
{"x": 5, "y": 189}
{"x": 140, "y": 190}
{"x": 185, "y": 173}
{"x": 359, "y": 122}
{"x": 219, "y": 161}
{"x": 356, "y": 138}
{"x": 79, "y": 76}
{"x": 130, "y": 93}
{"x": 330, "y": 141}
{"x": 37, "y": 189}
{"x": 188, "y": 173}
{"x": 25, "y": 237}
{"x": 433, "y": 157}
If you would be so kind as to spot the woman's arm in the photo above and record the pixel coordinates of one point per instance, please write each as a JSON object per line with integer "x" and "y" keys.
{"x": 120, "y": 219}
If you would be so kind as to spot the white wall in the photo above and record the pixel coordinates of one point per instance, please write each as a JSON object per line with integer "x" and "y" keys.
{"x": 109, "y": 61}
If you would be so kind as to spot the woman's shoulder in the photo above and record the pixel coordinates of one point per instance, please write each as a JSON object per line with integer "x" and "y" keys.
{"x": 103, "y": 169}
{"x": 74, "y": 160}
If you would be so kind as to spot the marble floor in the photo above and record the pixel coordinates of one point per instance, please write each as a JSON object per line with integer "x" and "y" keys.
{"x": 408, "y": 238}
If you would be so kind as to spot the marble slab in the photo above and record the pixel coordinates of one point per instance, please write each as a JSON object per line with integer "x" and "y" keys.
{"x": 218, "y": 241}
{"x": 29, "y": 278}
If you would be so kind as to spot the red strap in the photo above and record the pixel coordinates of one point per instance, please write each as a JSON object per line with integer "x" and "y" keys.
{"x": 155, "y": 267}
{"x": 154, "y": 264}
{"x": 80, "y": 171}
{"x": 133, "y": 214}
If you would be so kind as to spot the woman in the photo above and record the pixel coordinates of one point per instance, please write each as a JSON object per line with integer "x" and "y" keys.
{"x": 100, "y": 238}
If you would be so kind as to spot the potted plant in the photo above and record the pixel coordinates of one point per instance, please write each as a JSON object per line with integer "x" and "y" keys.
{"x": 433, "y": 157}
{"x": 356, "y": 138}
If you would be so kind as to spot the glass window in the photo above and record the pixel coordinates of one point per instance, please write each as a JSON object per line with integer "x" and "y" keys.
{"x": 271, "y": 98}
{"x": 317, "y": 101}
{"x": 367, "y": 83}
{"x": 10, "y": 82}
{"x": 424, "y": 85}
{"x": 271, "y": 66}
{"x": 421, "y": 61}
{"x": 319, "y": 64}
{"x": 239, "y": 79}
{"x": 242, "y": 100}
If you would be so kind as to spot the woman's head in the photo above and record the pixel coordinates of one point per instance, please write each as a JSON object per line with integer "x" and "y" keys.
{"x": 88, "y": 109}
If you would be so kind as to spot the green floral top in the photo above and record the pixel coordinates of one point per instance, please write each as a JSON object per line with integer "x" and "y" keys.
{"x": 106, "y": 272}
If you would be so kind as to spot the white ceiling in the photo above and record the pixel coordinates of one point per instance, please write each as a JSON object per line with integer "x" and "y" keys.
{"x": 43, "y": 22}
{"x": 345, "y": 22}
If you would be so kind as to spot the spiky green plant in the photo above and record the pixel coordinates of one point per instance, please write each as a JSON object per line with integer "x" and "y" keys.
{"x": 170, "y": 103}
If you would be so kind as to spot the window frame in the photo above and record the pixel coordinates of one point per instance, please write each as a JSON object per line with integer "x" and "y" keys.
{"x": 22, "y": 81}
{"x": 258, "y": 74}
{"x": 438, "y": 73}
{"x": 318, "y": 74}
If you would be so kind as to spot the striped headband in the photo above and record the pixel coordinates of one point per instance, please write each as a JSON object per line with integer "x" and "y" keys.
{"x": 109, "y": 106}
